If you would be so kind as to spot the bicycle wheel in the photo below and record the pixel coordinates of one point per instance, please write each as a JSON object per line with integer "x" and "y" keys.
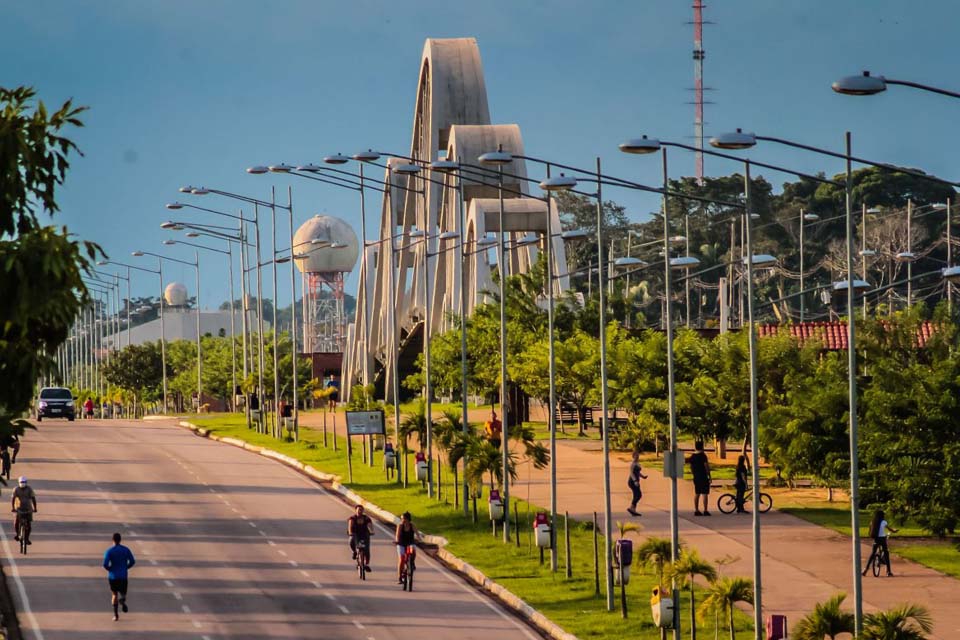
{"x": 766, "y": 502}
{"x": 23, "y": 537}
{"x": 727, "y": 503}
{"x": 362, "y": 563}
{"x": 880, "y": 559}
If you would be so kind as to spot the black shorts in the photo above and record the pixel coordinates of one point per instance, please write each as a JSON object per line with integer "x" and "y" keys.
{"x": 702, "y": 487}
{"x": 118, "y": 586}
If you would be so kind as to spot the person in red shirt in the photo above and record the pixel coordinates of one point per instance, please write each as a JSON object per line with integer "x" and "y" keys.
{"x": 88, "y": 408}
{"x": 493, "y": 428}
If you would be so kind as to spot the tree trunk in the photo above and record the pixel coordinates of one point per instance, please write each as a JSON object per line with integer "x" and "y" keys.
{"x": 581, "y": 418}
{"x": 721, "y": 447}
{"x": 733, "y": 631}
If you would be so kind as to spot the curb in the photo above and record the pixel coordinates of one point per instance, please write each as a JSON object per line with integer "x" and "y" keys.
{"x": 474, "y": 575}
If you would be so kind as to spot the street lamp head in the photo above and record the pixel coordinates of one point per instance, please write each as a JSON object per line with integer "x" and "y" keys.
{"x": 760, "y": 260}
{"x": 640, "y": 145}
{"x": 530, "y": 238}
{"x": 282, "y": 260}
{"x": 939, "y": 206}
{"x": 309, "y": 167}
{"x": 170, "y": 226}
{"x": 678, "y": 239}
{"x": 951, "y": 273}
{"x": 873, "y": 210}
{"x": 858, "y": 285}
{"x": 200, "y": 191}
{"x": 366, "y": 156}
{"x": 281, "y": 168}
{"x": 867, "y": 253}
{"x": 301, "y": 256}
{"x": 862, "y": 85}
{"x": 169, "y": 243}
{"x": 559, "y": 183}
{"x": 187, "y": 189}
{"x": 258, "y": 169}
{"x": 144, "y": 309}
{"x": 102, "y": 263}
{"x": 193, "y": 234}
{"x": 407, "y": 169}
{"x": 318, "y": 242}
{"x": 449, "y": 235}
{"x": 174, "y": 205}
{"x": 575, "y": 234}
{"x": 905, "y": 256}
{"x": 486, "y": 241}
{"x": 628, "y": 261}
{"x": 336, "y": 158}
{"x": 444, "y": 166}
{"x": 684, "y": 262}
{"x": 137, "y": 254}
{"x": 810, "y": 217}
{"x": 416, "y": 233}
{"x": 736, "y": 140}
{"x": 496, "y": 158}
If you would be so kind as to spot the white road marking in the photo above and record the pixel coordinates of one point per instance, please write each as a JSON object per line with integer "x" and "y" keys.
{"x": 330, "y": 596}
{"x": 304, "y": 573}
{"x": 185, "y": 608}
{"x": 252, "y": 524}
{"x": 317, "y": 584}
{"x": 153, "y": 562}
{"x": 176, "y": 594}
{"x": 344, "y": 610}
{"x": 357, "y": 624}
{"x": 196, "y": 624}
{"x": 282, "y": 552}
{"x": 271, "y": 543}
{"x": 243, "y": 517}
{"x": 24, "y": 600}
{"x": 168, "y": 583}
{"x": 293, "y": 563}
{"x": 161, "y": 572}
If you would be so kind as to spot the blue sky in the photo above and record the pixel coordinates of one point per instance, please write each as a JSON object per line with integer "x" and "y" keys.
{"x": 187, "y": 91}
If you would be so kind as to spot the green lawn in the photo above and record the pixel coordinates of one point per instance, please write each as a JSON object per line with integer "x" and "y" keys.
{"x": 570, "y": 603}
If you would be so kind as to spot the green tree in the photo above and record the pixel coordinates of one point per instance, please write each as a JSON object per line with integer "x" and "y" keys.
{"x": 685, "y": 571}
{"x": 34, "y": 320}
{"x": 655, "y": 553}
{"x": 827, "y": 620}
{"x": 904, "y": 622}
{"x": 138, "y": 369}
{"x": 723, "y": 596}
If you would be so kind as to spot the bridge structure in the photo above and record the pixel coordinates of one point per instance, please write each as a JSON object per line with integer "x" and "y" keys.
{"x": 422, "y": 225}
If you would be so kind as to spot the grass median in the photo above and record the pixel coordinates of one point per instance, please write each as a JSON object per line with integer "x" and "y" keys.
{"x": 572, "y": 602}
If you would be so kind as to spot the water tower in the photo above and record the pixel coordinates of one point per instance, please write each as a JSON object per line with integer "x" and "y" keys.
{"x": 331, "y": 249}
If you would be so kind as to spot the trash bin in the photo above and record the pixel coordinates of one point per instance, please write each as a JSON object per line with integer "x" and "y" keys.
{"x": 541, "y": 528}
{"x": 422, "y": 467}
{"x": 495, "y": 505}
{"x": 623, "y": 557}
{"x": 389, "y": 456}
{"x": 289, "y": 424}
{"x": 662, "y": 609}
{"x": 776, "y": 627}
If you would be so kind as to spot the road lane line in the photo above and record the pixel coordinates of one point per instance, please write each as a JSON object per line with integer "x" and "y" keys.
{"x": 344, "y": 610}
{"x": 304, "y": 573}
{"x": 185, "y": 608}
{"x": 293, "y": 563}
{"x": 168, "y": 583}
{"x": 196, "y": 624}
{"x": 317, "y": 584}
{"x": 357, "y": 624}
{"x": 153, "y": 562}
{"x": 176, "y": 594}
{"x": 330, "y": 596}
{"x": 252, "y": 524}
{"x": 24, "y": 600}
{"x": 282, "y": 552}
{"x": 271, "y": 543}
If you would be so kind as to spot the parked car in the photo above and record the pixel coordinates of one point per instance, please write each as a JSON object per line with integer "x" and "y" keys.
{"x": 56, "y": 402}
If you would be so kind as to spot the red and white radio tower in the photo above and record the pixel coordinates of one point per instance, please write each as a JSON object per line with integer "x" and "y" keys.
{"x": 698, "y": 56}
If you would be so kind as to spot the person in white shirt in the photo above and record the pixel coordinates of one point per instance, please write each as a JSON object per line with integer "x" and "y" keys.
{"x": 879, "y": 529}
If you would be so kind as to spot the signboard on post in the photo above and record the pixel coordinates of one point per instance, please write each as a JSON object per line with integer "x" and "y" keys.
{"x": 366, "y": 423}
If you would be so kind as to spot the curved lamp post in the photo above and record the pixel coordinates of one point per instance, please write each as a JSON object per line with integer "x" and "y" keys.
{"x": 868, "y": 85}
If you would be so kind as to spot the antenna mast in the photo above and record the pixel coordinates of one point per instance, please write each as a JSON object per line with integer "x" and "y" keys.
{"x": 698, "y": 56}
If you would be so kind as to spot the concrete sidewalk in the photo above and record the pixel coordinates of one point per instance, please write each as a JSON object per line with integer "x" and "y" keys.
{"x": 802, "y": 563}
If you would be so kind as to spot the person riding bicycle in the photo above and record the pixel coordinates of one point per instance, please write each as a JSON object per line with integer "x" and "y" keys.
{"x": 405, "y": 537}
{"x": 360, "y": 527}
{"x": 879, "y": 530}
{"x": 24, "y": 504}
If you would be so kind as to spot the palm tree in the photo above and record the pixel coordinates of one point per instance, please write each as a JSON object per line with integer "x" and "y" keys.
{"x": 905, "y": 622}
{"x": 445, "y": 433}
{"x": 723, "y": 596}
{"x": 655, "y": 552}
{"x": 684, "y": 571}
{"x": 533, "y": 450}
{"x": 826, "y": 620}
{"x": 413, "y": 424}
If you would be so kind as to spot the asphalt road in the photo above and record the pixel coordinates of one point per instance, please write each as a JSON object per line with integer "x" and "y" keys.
{"x": 228, "y": 545}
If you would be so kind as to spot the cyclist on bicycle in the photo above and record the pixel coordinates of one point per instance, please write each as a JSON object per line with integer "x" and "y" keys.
{"x": 404, "y": 538}
{"x": 879, "y": 530}
{"x": 24, "y": 504}
{"x": 360, "y": 527}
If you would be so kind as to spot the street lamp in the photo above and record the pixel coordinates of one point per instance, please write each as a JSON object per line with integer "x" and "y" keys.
{"x": 196, "y": 266}
{"x": 498, "y": 159}
{"x": 163, "y": 339}
{"x": 804, "y": 217}
{"x": 868, "y": 85}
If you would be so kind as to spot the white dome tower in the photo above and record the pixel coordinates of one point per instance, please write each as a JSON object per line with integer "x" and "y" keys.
{"x": 327, "y": 248}
{"x": 175, "y": 295}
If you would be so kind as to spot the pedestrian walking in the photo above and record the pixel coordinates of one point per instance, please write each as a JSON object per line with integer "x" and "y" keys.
{"x": 700, "y": 470}
{"x": 633, "y": 481}
{"x": 740, "y": 481}
{"x": 117, "y": 560}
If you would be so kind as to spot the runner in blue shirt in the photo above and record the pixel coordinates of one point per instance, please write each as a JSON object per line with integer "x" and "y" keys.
{"x": 116, "y": 561}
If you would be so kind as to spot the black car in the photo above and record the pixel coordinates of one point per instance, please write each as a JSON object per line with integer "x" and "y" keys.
{"x": 56, "y": 402}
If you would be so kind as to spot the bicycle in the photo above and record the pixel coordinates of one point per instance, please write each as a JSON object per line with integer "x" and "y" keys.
{"x": 23, "y": 531}
{"x": 363, "y": 559}
{"x": 727, "y": 503}
{"x": 408, "y": 567}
